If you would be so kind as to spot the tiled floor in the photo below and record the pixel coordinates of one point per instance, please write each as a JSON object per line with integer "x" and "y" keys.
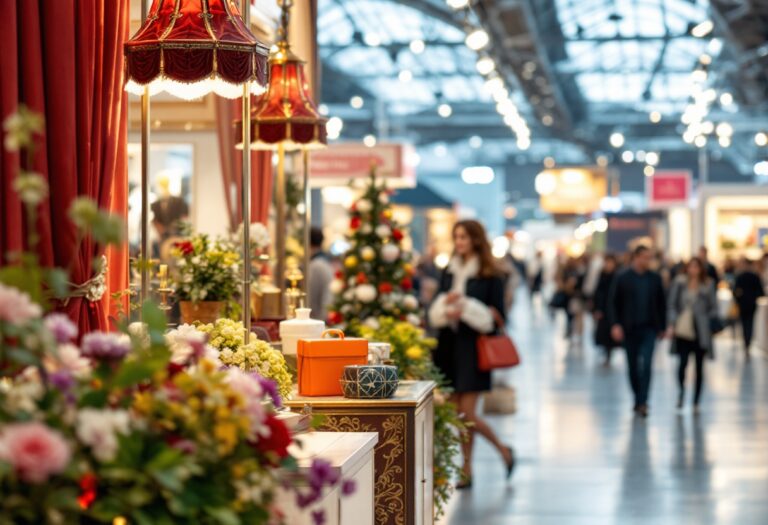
{"x": 585, "y": 460}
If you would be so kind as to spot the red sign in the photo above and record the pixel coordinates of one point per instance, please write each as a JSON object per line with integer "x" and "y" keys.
{"x": 667, "y": 189}
{"x": 339, "y": 163}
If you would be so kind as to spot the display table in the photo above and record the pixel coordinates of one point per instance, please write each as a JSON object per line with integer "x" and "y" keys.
{"x": 404, "y": 453}
{"x": 761, "y": 325}
{"x": 351, "y": 455}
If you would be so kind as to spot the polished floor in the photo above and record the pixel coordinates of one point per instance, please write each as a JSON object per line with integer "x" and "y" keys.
{"x": 585, "y": 460}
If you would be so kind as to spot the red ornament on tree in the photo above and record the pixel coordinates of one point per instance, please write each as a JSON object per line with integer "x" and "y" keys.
{"x": 354, "y": 222}
{"x": 88, "y": 490}
{"x": 362, "y": 278}
{"x": 334, "y": 318}
{"x": 406, "y": 284}
{"x": 385, "y": 288}
{"x": 397, "y": 235}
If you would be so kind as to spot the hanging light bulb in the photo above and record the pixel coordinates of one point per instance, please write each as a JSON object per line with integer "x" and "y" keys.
{"x": 417, "y": 46}
{"x": 477, "y": 39}
{"x": 485, "y": 65}
{"x": 616, "y": 139}
{"x": 444, "y": 110}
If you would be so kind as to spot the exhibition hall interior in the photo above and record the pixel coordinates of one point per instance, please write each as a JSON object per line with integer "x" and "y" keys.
{"x": 391, "y": 262}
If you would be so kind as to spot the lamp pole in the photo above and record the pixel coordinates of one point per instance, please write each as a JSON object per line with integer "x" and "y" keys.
{"x": 246, "y": 192}
{"x": 145, "y": 131}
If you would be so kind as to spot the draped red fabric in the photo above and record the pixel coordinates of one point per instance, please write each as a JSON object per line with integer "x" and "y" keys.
{"x": 64, "y": 59}
{"x": 227, "y": 111}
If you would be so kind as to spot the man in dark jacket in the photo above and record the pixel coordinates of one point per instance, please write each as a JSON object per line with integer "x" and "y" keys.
{"x": 637, "y": 316}
{"x": 747, "y": 289}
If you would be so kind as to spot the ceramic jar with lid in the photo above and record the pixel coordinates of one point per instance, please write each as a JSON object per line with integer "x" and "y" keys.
{"x": 302, "y": 327}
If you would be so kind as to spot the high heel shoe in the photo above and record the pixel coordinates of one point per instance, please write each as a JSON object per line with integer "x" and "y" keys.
{"x": 510, "y": 465}
{"x": 464, "y": 484}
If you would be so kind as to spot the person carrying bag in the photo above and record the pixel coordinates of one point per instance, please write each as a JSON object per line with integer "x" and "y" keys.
{"x": 467, "y": 312}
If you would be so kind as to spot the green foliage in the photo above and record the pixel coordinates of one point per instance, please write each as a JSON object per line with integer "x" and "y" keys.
{"x": 206, "y": 270}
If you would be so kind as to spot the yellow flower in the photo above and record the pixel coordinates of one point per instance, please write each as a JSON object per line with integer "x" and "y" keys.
{"x": 226, "y": 434}
{"x": 142, "y": 402}
{"x": 350, "y": 261}
{"x": 414, "y": 352}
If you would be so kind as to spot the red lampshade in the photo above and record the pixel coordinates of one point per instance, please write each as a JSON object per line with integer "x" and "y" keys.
{"x": 286, "y": 113}
{"x": 192, "y": 47}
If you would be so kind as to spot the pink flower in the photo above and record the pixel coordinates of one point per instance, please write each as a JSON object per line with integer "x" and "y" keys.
{"x": 249, "y": 388}
{"x": 105, "y": 345}
{"x": 61, "y": 327}
{"x": 16, "y": 307}
{"x": 34, "y": 450}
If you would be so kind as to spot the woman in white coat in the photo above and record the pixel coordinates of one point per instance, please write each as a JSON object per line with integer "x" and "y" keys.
{"x": 468, "y": 304}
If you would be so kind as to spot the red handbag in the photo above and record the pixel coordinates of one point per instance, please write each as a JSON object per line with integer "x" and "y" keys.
{"x": 496, "y": 351}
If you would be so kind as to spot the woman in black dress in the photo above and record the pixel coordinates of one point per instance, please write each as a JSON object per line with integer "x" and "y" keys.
{"x": 470, "y": 298}
{"x": 603, "y": 337}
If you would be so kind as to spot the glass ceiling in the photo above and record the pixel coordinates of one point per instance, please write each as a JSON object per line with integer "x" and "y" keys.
{"x": 368, "y": 40}
{"x": 614, "y": 46}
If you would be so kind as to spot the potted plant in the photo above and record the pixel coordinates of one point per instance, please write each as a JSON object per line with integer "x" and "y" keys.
{"x": 205, "y": 278}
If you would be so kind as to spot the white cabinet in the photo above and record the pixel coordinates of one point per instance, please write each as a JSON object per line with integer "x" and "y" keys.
{"x": 351, "y": 454}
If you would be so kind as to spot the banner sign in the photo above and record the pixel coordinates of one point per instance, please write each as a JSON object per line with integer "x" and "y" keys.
{"x": 668, "y": 189}
{"x": 339, "y": 163}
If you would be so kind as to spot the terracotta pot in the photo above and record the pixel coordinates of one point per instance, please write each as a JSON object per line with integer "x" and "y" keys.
{"x": 203, "y": 311}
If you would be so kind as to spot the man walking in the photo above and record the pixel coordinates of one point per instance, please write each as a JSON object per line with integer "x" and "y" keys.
{"x": 637, "y": 316}
{"x": 320, "y": 276}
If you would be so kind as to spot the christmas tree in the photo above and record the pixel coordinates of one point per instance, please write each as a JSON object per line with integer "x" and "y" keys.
{"x": 377, "y": 278}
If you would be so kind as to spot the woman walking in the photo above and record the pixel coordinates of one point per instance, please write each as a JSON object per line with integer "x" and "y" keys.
{"x": 692, "y": 305}
{"x": 600, "y": 307}
{"x": 469, "y": 303}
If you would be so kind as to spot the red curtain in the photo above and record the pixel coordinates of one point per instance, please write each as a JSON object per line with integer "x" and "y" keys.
{"x": 227, "y": 111}
{"x": 64, "y": 58}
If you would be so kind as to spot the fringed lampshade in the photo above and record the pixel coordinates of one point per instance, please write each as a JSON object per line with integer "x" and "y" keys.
{"x": 190, "y": 48}
{"x": 286, "y": 113}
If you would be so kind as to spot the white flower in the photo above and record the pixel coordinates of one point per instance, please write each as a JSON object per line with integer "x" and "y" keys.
{"x": 182, "y": 342}
{"x": 364, "y": 206}
{"x": 68, "y": 358}
{"x": 16, "y": 307}
{"x": 383, "y": 231}
{"x": 365, "y": 293}
{"x": 336, "y": 286}
{"x": 99, "y": 428}
{"x": 372, "y": 322}
{"x": 24, "y": 392}
{"x": 410, "y": 302}
{"x": 390, "y": 253}
{"x": 413, "y": 319}
{"x": 31, "y": 187}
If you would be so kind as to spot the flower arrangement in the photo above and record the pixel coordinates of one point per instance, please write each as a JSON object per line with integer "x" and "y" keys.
{"x": 412, "y": 353}
{"x": 258, "y": 356}
{"x": 377, "y": 275}
{"x": 206, "y": 270}
{"x": 114, "y": 430}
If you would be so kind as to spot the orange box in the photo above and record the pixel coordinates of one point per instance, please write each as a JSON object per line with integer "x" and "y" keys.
{"x": 321, "y": 362}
